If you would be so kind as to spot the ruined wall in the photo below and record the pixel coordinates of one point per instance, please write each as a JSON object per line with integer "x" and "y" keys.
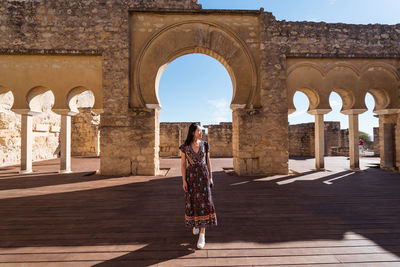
{"x": 376, "y": 141}
{"x": 86, "y": 27}
{"x": 335, "y": 40}
{"x": 172, "y": 135}
{"x": 220, "y": 139}
{"x": 302, "y": 140}
{"x": 170, "y": 138}
{"x": 45, "y": 127}
{"x": 85, "y": 133}
{"x": 260, "y": 140}
{"x": 388, "y": 141}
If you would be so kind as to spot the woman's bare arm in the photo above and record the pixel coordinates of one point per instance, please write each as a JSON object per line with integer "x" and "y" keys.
{"x": 183, "y": 166}
{"x": 183, "y": 171}
{"x": 209, "y": 165}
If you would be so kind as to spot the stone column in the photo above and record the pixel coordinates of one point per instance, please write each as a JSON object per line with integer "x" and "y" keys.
{"x": 26, "y": 143}
{"x": 259, "y": 142}
{"x": 319, "y": 131}
{"x": 26, "y": 139}
{"x": 131, "y": 148}
{"x": 354, "y": 142}
{"x": 387, "y": 138}
{"x": 65, "y": 132}
{"x": 354, "y": 137}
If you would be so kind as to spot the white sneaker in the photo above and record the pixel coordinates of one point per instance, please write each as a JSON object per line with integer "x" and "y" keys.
{"x": 196, "y": 231}
{"x": 202, "y": 241}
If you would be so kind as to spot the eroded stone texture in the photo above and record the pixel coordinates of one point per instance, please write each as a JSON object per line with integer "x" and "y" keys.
{"x": 172, "y": 135}
{"x": 46, "y": 128}
{"x": 376, "y": 141}
{"x": 302, "y": 140}
{"x": 388, "y": 140}
{"x": 85, "y": 134}
{"x": 254, "y": 47}
{"x": 220, "y": 139}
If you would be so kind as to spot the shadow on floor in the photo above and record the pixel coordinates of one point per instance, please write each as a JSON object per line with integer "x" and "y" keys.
{"x": 248, "y": 210}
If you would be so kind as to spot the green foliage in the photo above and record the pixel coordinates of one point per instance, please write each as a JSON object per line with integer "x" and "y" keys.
{"x": 364, "y": 136}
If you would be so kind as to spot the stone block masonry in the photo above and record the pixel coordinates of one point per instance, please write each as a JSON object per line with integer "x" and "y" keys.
{"x": 172, "y": 135}
{"x": 85, "y": 134}
{"x": 302, "y": 139}
{"x": 220, "y": 139}
{"x": 46, "y": 129}
{"x": 135, "y": 39}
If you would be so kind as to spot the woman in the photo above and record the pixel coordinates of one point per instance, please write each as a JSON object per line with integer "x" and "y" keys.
{"x": 197, "y": 180}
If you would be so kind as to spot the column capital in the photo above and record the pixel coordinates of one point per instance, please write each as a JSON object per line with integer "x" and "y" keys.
{"x": 237, "y": 106}
{"x": 319, "y": 111}
{"x": 65, "y": 112}
{"x": 387, "y": 111}
{"x": 98, "y": 110}
{"x": 25, "y": 111}
{"x": 354, "y": 111}
{"x": 153, "y": 106}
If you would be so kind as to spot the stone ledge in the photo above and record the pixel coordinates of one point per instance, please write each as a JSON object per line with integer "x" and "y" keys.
{"x": 41, "y": 128}
{"x": 50, "y": 52}
{"x": 340, "y": 55}
{"x": 199, "y": 11}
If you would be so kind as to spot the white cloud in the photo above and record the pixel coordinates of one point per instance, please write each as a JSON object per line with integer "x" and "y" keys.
{"x": 332, "y": 2}
{"x": 220, "y": 111}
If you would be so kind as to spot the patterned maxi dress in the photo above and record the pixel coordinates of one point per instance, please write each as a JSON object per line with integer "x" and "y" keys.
{"x": 199, "y": 209}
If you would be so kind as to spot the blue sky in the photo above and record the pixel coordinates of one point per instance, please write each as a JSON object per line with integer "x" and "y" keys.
{"x": 197, "y": 87}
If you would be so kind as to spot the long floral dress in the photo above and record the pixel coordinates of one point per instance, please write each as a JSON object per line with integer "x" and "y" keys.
{"x": 199, "y": 209}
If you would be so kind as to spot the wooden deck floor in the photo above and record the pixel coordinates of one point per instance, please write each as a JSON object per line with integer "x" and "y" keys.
{"x": 333, "y": 218}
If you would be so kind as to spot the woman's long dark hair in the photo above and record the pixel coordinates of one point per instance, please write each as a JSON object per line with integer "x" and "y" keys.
{"x": 190, "y": 135}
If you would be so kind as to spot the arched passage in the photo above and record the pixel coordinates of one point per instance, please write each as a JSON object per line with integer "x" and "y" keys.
{"x": 195, "y": 88}
{"x": 194, "y": 37}
{"x": 154, "y": 46}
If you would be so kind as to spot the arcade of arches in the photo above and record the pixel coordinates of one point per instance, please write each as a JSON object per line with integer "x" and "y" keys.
{"x": 130, "y": 43}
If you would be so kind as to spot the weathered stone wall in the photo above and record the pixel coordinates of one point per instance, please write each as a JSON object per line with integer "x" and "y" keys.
{"x": 338, "y": 39}
{"x": 302, "y": 140}
{"x": 172, "y": 135}
{"x": 45, "y": 127}
{"x": 87, "y": 27}
{"x": 260, "y": 139}
{"x": 85, "y": 133}
{"x": 388, "y": 141}
{"x": 170, "y": 138}
{"x": 376, "y": 141}
{"x": 220, "y": 139}
{"x": 10, "y": 138}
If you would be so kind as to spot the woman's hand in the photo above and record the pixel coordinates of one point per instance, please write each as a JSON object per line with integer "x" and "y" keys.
{"x": 184, "y": 186}
{"x": 211, "y": 181}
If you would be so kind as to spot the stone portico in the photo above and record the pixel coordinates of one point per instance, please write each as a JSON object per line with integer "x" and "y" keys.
{"x": 118, "y": 50}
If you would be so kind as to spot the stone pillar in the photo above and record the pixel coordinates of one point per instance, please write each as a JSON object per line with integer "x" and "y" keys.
{"x": 354, "y": 142}
{"x": 85, "y": 133}
{"x": 132, "y": 146}
{"x": 255, "y": 142}
{"x": 26, "y": 138}
{"x": 65, "y": 163}
{"x": 354, "y": 137}
{"x": 319, "y": 137}
{"x": 26, "y": 143}
{"x": 387, "y": 139}
{"x": 65, "y": 132}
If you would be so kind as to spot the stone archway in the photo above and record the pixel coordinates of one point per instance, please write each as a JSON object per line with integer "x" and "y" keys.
{"x": 352, "y": 79}
{"x": 193, "y": 36}
{"x": 157, "y": 38}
